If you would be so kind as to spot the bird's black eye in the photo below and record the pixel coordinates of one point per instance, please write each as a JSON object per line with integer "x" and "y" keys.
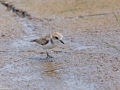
{"x": 56, "y": 38}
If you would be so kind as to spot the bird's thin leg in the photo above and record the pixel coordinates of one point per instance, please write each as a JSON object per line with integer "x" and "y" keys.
{"x": 48, "y": 56}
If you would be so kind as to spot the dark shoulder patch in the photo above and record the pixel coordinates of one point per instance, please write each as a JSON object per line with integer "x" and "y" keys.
{"x": 51, "y": 41}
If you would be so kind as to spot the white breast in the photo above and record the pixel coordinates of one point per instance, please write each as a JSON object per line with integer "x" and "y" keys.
{"x": 48, "y": 46}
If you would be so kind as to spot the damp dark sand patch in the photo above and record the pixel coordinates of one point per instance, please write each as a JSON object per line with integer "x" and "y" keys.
{"x": 66, "y": 8}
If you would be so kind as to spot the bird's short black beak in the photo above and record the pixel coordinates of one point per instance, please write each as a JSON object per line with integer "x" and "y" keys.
{"x": 62, "y": 41}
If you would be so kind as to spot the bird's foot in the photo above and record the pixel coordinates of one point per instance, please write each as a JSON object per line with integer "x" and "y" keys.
{"x": 48, "y": 56}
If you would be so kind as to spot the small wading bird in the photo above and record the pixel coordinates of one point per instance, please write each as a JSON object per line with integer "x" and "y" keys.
{"x": 49, "y": 41}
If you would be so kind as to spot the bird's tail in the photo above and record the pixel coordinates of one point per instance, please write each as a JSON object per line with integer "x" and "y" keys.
{"x": 35, "y": 40}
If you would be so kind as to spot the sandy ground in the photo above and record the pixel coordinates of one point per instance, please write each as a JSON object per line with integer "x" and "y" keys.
{"x": 89, "y": 60}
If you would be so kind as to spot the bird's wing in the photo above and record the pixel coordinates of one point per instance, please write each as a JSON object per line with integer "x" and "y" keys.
{"x": 44, "y": 40}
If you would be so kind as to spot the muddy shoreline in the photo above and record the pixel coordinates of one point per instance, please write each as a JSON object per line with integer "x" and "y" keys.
{"x": 90, "y": 59}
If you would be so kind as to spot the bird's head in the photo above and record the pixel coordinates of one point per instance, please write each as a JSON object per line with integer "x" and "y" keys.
{"x": 57, "y": 37}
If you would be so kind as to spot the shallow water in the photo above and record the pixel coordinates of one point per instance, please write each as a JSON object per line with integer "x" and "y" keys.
{"x": 77, "y": 46}
{"x": 29, "y": 27}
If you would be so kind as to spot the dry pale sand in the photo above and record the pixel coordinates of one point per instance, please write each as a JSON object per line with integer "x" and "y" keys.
{"x": 89, "y": 60}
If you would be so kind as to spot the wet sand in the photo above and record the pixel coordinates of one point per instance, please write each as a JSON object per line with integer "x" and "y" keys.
{"x": 89, "y": 60}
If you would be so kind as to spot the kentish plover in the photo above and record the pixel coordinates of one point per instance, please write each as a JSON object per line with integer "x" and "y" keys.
{"x": 49, "y": 41}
